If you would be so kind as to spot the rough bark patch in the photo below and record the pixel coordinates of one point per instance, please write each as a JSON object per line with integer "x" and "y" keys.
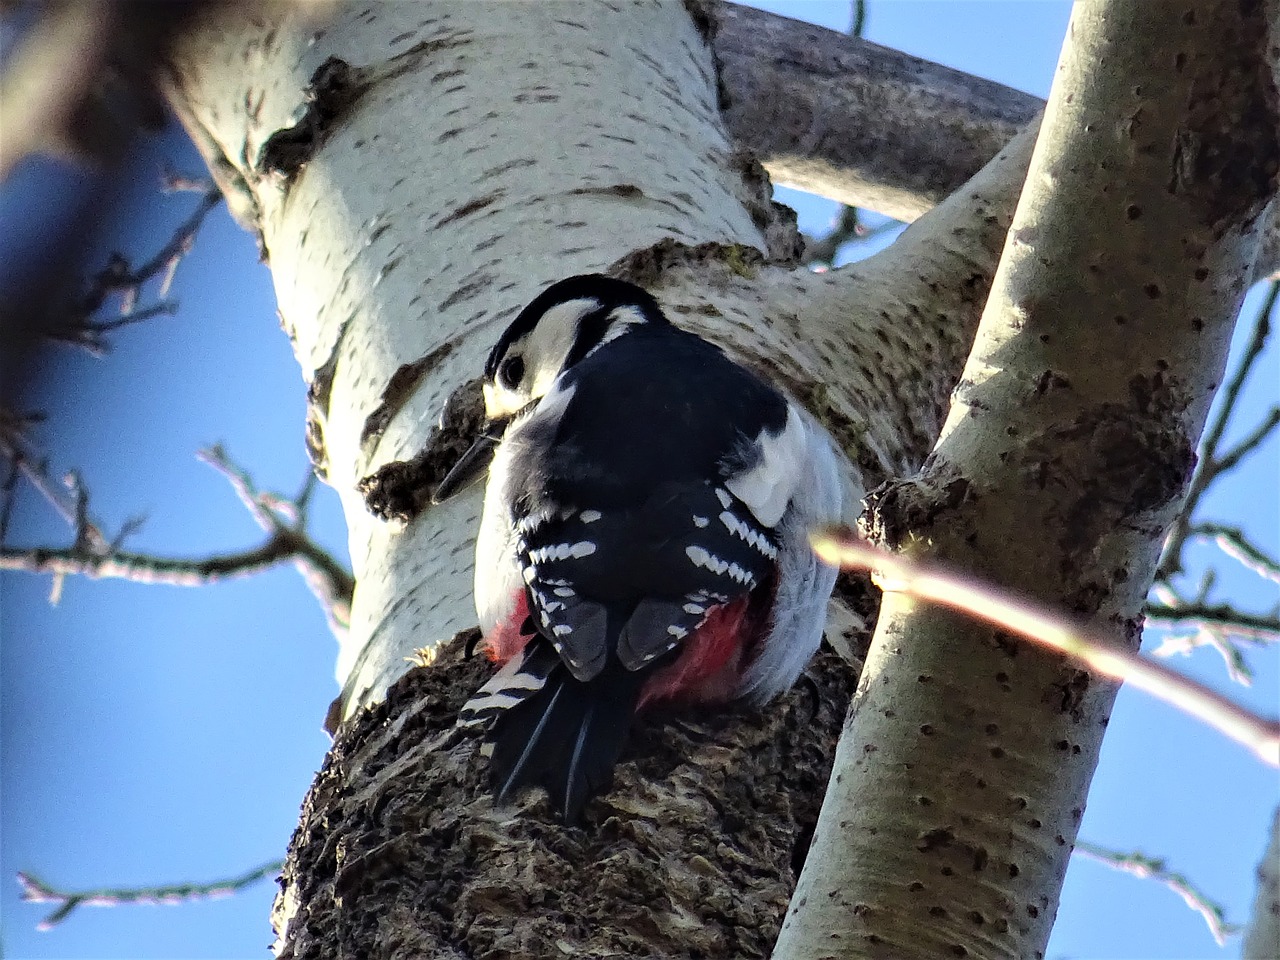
{"x": 401, "y": 489}
{"x": 401, "y": 853}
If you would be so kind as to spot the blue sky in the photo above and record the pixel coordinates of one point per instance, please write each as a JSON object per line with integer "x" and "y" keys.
{"x": 156, "y": 735}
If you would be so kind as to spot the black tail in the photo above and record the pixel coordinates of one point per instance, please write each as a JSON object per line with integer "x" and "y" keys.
{"x": 567, "y": 735}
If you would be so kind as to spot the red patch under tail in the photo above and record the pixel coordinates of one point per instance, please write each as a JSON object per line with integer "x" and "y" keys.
{"x": 508, "y": 639}
{"x": 711, "y": 660}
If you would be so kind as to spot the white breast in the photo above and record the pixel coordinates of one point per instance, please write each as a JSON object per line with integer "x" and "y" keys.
{"x": 498, "y": 580}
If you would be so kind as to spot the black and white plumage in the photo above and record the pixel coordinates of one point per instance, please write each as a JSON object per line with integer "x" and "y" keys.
{"x": 644, "y": 533}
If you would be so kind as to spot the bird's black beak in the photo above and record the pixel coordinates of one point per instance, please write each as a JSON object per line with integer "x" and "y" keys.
{"x": 472, "y": 464}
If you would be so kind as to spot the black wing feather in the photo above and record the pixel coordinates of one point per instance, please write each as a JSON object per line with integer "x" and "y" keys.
{"x": 627, "y": 540}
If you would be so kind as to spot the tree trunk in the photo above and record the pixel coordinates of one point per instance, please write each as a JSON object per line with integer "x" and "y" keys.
{"x": 963, "y": 771}
{"x": 417, "y": 172}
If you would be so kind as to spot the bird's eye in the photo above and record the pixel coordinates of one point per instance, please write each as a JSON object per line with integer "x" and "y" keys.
{"x": 511, "y": 372}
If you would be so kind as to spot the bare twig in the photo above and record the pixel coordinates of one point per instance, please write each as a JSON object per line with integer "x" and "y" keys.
{"x": 1219, "y": 626}
{"x": 841, "y": 545}
{"x": 284, "y": 520}
{"x": 1254, "y": 627}
{"x": 16, "y": 447}
{"x": 1151, "y": 868}
{"x": 1238, "y": 669}
{"x": 1211, "y": 463}
{"x": 328, "y": 581}
{"x": 119, "y": 278}
{"x": 35, "y": 890}
{"x": 1236, "y": 544}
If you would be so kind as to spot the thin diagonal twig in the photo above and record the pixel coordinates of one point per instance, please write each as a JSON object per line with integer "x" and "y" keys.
{"x": 35, "y": 890}
{"x": 841, "y": 546}
{"x": 1138, "y": 864}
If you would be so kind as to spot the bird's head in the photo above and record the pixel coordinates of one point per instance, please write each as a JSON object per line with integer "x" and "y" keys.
{"x": 560, "y": 327}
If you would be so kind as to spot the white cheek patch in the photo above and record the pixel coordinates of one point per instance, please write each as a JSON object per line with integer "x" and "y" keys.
{"x": 499, "y": 402}
{"x": 551, "y": 341}
{"x": 543, "y": 351}
{"x": 766, "y": 488}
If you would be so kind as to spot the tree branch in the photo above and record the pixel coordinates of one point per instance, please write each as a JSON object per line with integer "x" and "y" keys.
{"x": 1255, "y": 627}
{"x": 1236, "y": 544}
{"x": 871, "y": 127}
{"x": 283, "y": 519}
{"x": 118, "y": 277}
{"x": 1140, "y": 865}
{"x": 1058, "y": 471}
{"x": 35, "y": 890}
{"x": 848, "y": 119}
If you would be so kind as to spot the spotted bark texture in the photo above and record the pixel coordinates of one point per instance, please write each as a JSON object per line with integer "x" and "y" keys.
{"x": 962, "y": 776}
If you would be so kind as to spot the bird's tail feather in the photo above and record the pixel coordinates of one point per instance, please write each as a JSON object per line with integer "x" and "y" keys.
{"x": 565, "y": 735}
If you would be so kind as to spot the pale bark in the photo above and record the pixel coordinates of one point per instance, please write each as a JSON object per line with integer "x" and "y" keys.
{"x": 410, "y": 195}
{"x": 962, "y": 773}
{"x": 1262, "y": 938}
{"x": 848, "y": 119}
{"x": 415, "y": 173}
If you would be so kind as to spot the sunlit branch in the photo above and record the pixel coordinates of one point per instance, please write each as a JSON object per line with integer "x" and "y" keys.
{"x": 328, "y": 581}
{"x": 841, "y": 546}
{"x": 1150, "y": 868}
{"x": 284, "y": 521}
{"x": 1238, "y": 669}
{"x": 35, "y": 890}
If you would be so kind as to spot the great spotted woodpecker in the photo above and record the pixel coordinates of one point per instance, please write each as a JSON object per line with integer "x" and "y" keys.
{"x": 644, "y": 533}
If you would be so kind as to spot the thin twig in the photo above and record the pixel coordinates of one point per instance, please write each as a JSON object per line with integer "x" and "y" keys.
{"x": 1236, "y": 544}
{"x": 1210, "y": 463}
{"x": 287, "y": 541}
{"x": 327, "y": 579}
{"x": 1150, "y": 868}
{"x": 35, "y": 890}
{"x": 149, "y": 568}
{"x": 841, "y": 546}
{"x": 1256, "y": 628}
{"x": 15, "y": 447}
{"x": 120, "y": 278}
{"x": 1233, "y": 658}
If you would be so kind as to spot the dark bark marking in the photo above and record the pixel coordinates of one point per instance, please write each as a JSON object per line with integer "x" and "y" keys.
{"x": 466, "y": 292}
{"x": 470, "y": 207}
{"x": 318, "y": 392}
{"x": 328, "y": 99}
{"x": 397, "y": 392}
{"x": 935, "y": 839}
{"x": 333, "y": 89}
{"x": 401, "y": 489}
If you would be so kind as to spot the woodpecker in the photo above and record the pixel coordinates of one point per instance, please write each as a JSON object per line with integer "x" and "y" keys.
{"x": 644, "y": 536}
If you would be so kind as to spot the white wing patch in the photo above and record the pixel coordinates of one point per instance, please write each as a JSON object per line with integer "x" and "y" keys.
{"x": 804, "y": 583}
{"x": 767, "y": 487}
{"x": 562, "y": 551}
{"x": 701, "y": 557}
{"x": 749, "y": 534}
